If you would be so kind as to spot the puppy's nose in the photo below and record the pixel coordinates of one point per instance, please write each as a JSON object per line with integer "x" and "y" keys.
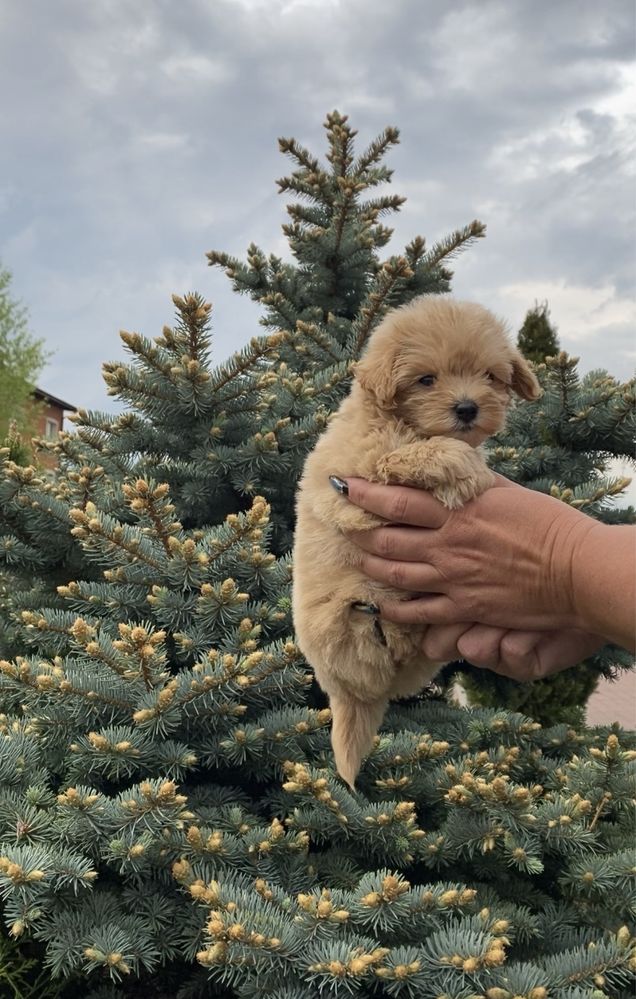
{"x": 466, "y": 410}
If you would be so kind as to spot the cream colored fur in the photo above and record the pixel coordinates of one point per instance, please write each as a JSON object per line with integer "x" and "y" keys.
{"x": 392, "y": 429}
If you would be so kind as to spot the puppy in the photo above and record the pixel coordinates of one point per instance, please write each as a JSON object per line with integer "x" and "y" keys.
{"x": 435, "y": 380}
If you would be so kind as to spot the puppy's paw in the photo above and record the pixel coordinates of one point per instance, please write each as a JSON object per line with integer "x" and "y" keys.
{"x": 451, "y": 469}
{"x": 464, "y": 488}
{"x": 399, "y": 467}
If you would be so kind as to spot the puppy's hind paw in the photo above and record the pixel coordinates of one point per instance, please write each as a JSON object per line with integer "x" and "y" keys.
{"x": 358, "y": 605}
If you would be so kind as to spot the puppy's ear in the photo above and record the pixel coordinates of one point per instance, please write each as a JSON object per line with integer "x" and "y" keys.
{"x": 524, "y": 381}
{"x": 375, "y": 373}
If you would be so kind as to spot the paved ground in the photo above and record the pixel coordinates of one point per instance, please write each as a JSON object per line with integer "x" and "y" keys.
{"x": 614, "y": 702}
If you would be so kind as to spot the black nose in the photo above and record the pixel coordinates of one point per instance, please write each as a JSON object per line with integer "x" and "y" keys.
{"x": 466, "y": 410}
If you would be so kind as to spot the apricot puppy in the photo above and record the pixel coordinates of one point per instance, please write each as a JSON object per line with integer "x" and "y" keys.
{"x": 435, "y": 381}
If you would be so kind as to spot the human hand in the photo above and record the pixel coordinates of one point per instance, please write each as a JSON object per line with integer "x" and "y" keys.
{"x": 521, "y": 655}
{"x": 506, "y": 559}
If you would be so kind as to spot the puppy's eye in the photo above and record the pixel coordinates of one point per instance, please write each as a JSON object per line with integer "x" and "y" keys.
{"x": 427, "y": 380}
{"x": 490, "y": 376}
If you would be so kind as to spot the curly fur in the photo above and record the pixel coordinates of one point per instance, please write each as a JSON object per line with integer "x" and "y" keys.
{"x": 393, "y": 429}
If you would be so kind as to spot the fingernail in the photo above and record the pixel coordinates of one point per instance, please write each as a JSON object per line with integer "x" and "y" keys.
{"x": 365, "y": 608}
{"x": 339, "y": 485}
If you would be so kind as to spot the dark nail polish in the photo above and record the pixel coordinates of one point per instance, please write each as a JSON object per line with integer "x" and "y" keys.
{"x": 339, "y": 485}
{"x": 365, "y": 608}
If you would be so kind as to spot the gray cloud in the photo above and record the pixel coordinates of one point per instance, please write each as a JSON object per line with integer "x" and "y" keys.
{"x": 140, "y": 136}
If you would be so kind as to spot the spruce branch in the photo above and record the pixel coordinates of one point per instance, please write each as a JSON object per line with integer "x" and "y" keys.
{"x": 141, "y": 347}
{"x": 146, "y": 501}
{"x": 194, "y": 313}
{"x": 292, "y": 148}
{"x": 327, "y": 345}
{"x": 340, "y": 137}
{"x": 391, "y": 275}
{"x": 458, "y": 240}
{"x": 244, "y": 361}
{"x": 376, "y": 150}
{"x": 98, "y": 532}
{"x": 217, "y": 258}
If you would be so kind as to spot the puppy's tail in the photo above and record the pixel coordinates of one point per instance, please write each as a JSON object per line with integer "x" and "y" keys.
{"x": 353, "y": 728}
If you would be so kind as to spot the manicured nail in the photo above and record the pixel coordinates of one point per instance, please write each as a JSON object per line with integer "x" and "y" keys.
{"x": 339, "y": 485}
{"x": 365, "y": 608}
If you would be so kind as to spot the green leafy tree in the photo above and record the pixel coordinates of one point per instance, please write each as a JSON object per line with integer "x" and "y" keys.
{"x": 22, "y": 358}
{"x": 17, "y": 450}
{"x": 171, "y": 823}
{"x": 537, "y": 338}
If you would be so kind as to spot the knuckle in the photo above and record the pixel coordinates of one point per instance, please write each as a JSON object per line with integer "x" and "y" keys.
{"x": 439, "y": 651}
{"x": 432, "y": 646}
{"x": 515, "y": 645}
{"x": 385, "y": 542}
{"x": 479, "y": 650}
{"x": 397, "y": 575}
{"x": 483, "y": 654}
{"x": 398, "y": 506}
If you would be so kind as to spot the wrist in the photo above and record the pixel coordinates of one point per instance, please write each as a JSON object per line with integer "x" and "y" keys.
{"x": 602, "y": 581}
{"x": 566, "y": 554}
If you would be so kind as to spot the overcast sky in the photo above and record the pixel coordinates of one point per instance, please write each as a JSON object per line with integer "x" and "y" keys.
{"x": 138, "y": 134}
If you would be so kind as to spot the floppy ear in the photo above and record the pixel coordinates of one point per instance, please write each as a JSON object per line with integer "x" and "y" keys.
{"x": 524, "y": 381}
{"x": 375, "y": 373}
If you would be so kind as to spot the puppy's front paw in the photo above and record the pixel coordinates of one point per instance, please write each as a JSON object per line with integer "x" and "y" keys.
{"x": 398, "y": 467}
{"x": 461, "y": 475}
{"x": 451, "y": 469}
{"x": 456, "y": 494}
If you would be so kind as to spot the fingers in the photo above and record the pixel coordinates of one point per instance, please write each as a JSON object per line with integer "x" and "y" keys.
{"x": 398, "y": 504}
{"x": 559, "y": 650}
{"x": 509, "y": 653}
{"x": 479, "y": 645}
{"x": 525, "y": 655}
{"x": 497, "y": 648}
{"x": 404, "y": 544}
{"x": 414, "y": 576}
{"x": 440, "y": 641}
{"x": 433, "y": 609}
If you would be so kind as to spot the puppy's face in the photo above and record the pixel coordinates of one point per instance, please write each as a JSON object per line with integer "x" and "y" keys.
{"x": 447, "y": 368}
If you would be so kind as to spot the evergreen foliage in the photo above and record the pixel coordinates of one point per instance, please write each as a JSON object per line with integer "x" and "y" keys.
{"x": 171, "y": 824}
{"x": 537, "y": 338}
{"x": 271, "y": 400}
{"x": 17, "y": 450}
{"x": 22, "y": 976}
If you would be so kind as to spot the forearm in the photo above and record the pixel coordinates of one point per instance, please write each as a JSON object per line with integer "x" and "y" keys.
{"x": 604, "y": 583}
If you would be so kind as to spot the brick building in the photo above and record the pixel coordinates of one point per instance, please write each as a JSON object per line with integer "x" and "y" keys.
{"x": 50, "y": 420}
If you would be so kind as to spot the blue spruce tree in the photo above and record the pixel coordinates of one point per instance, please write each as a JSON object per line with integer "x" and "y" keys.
{"x": 171, "y": 824}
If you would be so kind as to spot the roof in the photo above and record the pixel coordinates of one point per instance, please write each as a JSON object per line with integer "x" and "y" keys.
{"x": 47, "y": 397}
